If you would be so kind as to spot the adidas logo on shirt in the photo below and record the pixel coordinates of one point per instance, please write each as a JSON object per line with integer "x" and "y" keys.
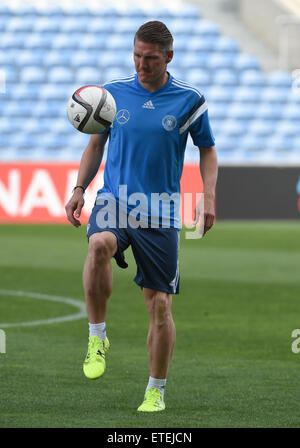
{"x": 148, "y": 105}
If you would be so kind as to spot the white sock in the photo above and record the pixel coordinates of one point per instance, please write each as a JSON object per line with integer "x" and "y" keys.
{"x": 97, "y": 330}
{"x": 157, "y": 383}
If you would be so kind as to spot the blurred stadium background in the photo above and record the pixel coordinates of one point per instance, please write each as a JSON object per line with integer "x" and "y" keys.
{"x": 246, "y": 68}
{"x": 48, "y": 49}
{"x": 240, "y": 284}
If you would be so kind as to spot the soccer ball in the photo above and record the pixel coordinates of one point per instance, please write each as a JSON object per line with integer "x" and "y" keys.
{"x": 91, "y": 109}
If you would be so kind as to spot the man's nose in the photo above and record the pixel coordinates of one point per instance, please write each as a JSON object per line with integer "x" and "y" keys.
{"x": 143, "y": 62}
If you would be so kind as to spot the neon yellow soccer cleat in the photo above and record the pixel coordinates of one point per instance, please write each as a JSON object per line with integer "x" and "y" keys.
{"x": 94, "y": 363}
{"x": 153, "y": 401}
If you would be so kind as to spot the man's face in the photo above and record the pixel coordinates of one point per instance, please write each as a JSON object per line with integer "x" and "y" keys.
{"x": 150, "y": 61}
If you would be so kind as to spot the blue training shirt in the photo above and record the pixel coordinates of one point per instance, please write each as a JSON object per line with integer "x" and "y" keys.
{"x": 146, "y": 147}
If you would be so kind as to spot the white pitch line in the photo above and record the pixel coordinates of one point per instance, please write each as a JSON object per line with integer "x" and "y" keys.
{"x": 33, "y": 295}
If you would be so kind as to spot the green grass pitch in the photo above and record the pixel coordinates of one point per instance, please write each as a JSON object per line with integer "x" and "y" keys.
{"x": 233, "y": 363}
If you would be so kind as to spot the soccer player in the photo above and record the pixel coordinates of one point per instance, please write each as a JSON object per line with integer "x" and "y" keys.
{"x": 147, "y": 140}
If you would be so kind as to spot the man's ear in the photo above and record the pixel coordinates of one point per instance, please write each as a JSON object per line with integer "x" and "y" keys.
{"x": 169, "y": 56}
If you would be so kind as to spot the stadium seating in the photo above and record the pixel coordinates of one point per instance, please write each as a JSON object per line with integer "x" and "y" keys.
{"x": 46, "y": 53}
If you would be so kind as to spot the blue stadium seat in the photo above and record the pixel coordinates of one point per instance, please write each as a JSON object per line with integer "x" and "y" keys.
{"x": 118, "y": 42}
{"x": 109, "y": 59}
{"x": 221, "y": 60}
{"x": 279, "y": 78}
{"x": 50, "y": 92}
{"x": 180, "y": 45}
{"x": 23, "y": 91}
{"x": 261, "y": 127}
{"x": 6, "y": 125}
{"x": 92, "y": 42}
{"x": 206, "y": 28}
{"x": 109, "y": 12}
{"x": 3, "y": 24}
{"x": 102, "y": 25}
{"x": 10, "y": 56}
{"x": 233, "y": 128}
{"x": 65, "y": 42}
{"x": 21, "y": 109}
{"x": 202, "y": 43}
{"x": 87, "y": 75}
{"x": 19, "y": 24}
{"x": 226, "y": 44}
{"x": 126, "y": 25}
{"x": 135, "y": 12}
{"x": 225, "y": 143}
{"x": 248, "y": 94}
{"x": 296, "y": 144}
{"x": 253, "y": 143}
{"x": 38, "y": 125}
{"x": 11, "y": 73}
{"x": 39, "y": 40}
{"x": 291, "y": 112}
{"x": 279, "y": 142}
{"x": 198, "y": 77}
{"x": 60, "y": 75}
{"x": 267, "y": 111}
{"x": 217, "y": 94}
{"x": 275, "y": 95}
{"x": 179, "y": 27}
{"x": 45, "y": 24}
{"x": 225, "y": 77}
{"x": 288, "y": 128}
{"x": 6, "y": 11}
{"x": 62, "y": 126}
{"x": 246, "y": 62}
{"x": 164, "y": 13}
{"x": 187, "y": 11}
{"x": 50, "y": 141}
{"x": 23, "y": 140}
{"x": 113, "y": 73}
{"x": 79, "y": 11}
{"x": 63, "y": 56}
{"x": 252, "y": 78}
{"x": 293, "y": 96}
{"x": 54, "y": 11}
{"x": 33, "y": 73}
{"x": 28, "y": 57}
{"x": 217, "y": 111}
{"x": 189, "y": 60}
{"x": 241, "y": 111}
{"x": 4, "y": 141}
{"x": 74, "y": 25}
{"x": 27, "y": 10}
{"x": 12, "y": 41}
{"x": 9, "y": 154}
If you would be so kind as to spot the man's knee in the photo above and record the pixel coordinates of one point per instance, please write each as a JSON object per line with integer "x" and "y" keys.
{"x": 102, "y": 247}
{"x": 161, "y": 307}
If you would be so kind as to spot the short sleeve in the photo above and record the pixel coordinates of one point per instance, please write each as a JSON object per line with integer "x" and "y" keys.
{"x": 201, "y": 131}
{"x": 196, "y": 122}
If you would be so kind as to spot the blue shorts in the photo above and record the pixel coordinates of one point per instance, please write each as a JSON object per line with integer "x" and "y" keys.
{"x": 155, "y": 251}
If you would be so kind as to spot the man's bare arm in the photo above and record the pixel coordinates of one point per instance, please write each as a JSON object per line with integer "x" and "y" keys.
{"x": 209, "y": 172}
{"x": 88, "y": 168}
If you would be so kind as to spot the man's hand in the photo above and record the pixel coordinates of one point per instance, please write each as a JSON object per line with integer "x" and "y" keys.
{"x": 74, "y": 207}
{"x": 205, "y": 213}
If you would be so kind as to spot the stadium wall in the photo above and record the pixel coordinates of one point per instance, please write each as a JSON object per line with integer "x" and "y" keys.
{"x": 38, "y": 192}
{"x": 245, "y": 192}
